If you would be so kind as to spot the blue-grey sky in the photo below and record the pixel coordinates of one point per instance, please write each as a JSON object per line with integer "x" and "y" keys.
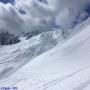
{"x": 6, "y": 1}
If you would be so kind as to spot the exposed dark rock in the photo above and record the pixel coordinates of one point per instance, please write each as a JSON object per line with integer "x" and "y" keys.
{"x": 7, "y": 38}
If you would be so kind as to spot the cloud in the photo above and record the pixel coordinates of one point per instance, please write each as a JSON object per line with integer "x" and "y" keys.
{"x": 60, "y": 4}
{"x": 69, "y": 12}
{"x": 10, "y": 18}
{"x": 36, "y": 17}
{"x": 15, "y": 22}
{"x": 39, "y": 16}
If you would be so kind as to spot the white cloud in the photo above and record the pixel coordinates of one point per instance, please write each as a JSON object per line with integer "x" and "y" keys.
{"x": 68, "y": 10}
{"x": 39, "y": 16}
{"x": 10, "y": 18}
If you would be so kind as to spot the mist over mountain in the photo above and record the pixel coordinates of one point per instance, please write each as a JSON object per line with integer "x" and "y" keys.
{"x": 30, "y": 15}
{"x": 27, "y": 16}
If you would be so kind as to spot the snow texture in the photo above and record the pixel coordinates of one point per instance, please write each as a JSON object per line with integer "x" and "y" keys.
{"x": 65, "y": 67}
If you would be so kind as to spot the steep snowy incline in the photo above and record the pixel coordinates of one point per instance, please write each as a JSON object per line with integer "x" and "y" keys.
{"x": 66, "y": 67}
{"x": 13, "y": 57}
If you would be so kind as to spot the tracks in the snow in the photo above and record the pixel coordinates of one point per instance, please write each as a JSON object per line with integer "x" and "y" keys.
{"x": 58, "y": 80}
{"x": 44, "y": 84}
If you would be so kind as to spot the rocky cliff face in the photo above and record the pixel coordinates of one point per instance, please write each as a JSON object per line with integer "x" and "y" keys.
{"x": 6, "y": 38}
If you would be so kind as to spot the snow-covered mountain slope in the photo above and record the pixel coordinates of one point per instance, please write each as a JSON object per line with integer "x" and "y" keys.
{"x": 65, "y": 67}
{"x": 13, "y": 57}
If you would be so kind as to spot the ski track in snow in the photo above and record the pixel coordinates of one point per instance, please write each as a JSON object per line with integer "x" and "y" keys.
{"x": 45, "y": 85}
{"x": 58, "y": 80}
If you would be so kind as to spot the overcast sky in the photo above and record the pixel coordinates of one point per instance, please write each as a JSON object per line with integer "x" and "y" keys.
{"x": 29, "y": 15}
